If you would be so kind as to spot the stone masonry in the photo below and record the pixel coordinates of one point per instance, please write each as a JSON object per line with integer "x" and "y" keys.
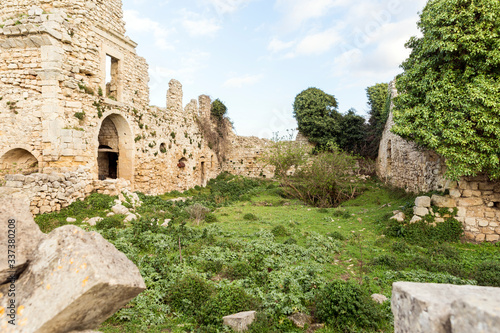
{"x": 60, "y": 112}
{"x": 402, "y": 164}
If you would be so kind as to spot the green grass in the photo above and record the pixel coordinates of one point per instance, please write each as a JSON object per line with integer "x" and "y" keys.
{"x": 279, "y": 251}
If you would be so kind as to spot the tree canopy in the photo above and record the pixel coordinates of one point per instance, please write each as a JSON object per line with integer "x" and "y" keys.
{"x": 218, "y": 109}
{"x": 450, "y": 89}
{"x": 379, "y": 103}
{"x": 317, "y": 115}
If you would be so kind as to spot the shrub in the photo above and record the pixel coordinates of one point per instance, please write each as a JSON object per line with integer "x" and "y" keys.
{"x": 115, "y": 221}
{"x": 218, "y": 109}
{"x": 336, "y": 235}
{"x": 280, "y": 231}
{"x": 345, "y": 306}
{"x": 228, "y": 300}
{"x": 341, "y": 213}
{"x": 250, "y": 217}
{"x": 210, "y": 218}
{"x": 488, "y": 274}
{"x": 197, "y": 212}
{"x": 189, "y": 294}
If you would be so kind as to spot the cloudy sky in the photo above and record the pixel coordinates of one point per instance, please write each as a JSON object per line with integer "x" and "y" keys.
{"x": 257, "y": 55}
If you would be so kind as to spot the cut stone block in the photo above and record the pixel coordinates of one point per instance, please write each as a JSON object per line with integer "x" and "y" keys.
{"x": 400, "y": 217}
{"x": 476, "y": 314}
{"x": 423, "y": 201}
{"x": 420, "y": 211}
{"x": 239, "y": 321}
{"x": 440, "y": 201}
{"x": 426, "y": 307}
{"x": 300, "y": 319}
{"x": 75, "y": 281}
{"x": 25, "y": 233}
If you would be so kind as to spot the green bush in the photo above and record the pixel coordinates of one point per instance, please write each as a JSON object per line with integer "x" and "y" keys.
{"x": 336, "y": 235}
{"x": 423, "y": 232}
{"x": 115, "y": 221}
{"x": 488, "y": 274}
{"x": 218, "y": 109}
{"x": 345, "y": 306}
{"x": 280, "y": 231}
{"x": 189, "y": 294}
{"x": 210, "y": 218}
{"x": 228, "y": 300}
{"x": 250, "y": 217}
{"x": 341, "y": 213}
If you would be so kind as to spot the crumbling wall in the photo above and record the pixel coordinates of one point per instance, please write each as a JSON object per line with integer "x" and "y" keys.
{"x": 403, "y": 164}
{"x": 244, "y": 157}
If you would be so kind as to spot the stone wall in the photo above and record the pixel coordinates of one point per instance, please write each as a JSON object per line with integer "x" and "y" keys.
{"x": 403, "y": 164}
{"x": 51, "y": 192}
{"x": 244, "y": 157}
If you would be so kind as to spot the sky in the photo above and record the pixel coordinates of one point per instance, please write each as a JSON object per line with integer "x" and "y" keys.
{"x": 257, "y": 55}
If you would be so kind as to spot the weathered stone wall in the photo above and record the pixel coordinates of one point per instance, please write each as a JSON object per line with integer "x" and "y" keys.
{"x": 244, "y": 157}
{"x": 403, "y": 164}
{"x": 51, "y": 192}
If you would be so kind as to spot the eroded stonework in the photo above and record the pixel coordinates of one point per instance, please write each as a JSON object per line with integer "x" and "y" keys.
{"x": 61, "y": 113}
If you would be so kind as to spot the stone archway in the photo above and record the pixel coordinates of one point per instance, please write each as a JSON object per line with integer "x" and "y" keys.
{"x": 18, "y": 160}
{"x": 115, "y": 154}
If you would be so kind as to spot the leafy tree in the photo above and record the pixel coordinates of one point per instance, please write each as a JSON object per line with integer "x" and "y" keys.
{"x": 218, "y": 109}
{"x": 379, "y": 110}
{"x": 450, "y": 89}
{"x": 353, "y": 131}
{"x": 317, "y": 115}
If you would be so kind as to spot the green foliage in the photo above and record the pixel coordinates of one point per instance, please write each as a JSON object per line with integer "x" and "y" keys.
{"x": 378, "y": 96}
{"x": 79, "y": 115}
{"x": 345, "y": 306}
{"x": 352, "y": 132}
{"x": 286, "y": 155}
{"x": 189, "y": 294}
{"x": 422, "y": 276}
{"x": 218, "y": 109}
{"x": 336, "y": 235}
{"x": 317, "y": 116}
{"x": 280, "y": 231}
{"x": 449, "y": 100}
{"x": 115, "y": 221}
{"x": 488, "y": 274}
{"x": 250, "y": 217}
{"x": 423, "y": 232}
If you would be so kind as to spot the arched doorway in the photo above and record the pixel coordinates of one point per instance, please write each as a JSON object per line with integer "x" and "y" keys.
{"x": 18, "y": 160}
{"x": 115, "y": 154}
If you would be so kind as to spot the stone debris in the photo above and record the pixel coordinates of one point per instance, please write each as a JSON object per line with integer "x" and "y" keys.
{"x": 300, "y": 319}
{"x": 444, "y": 308}
{"x": 398, "y": 216}
{"x": 166, "y": 222}
{"x": 93, "y": 221}
{"x": 130, "y": 217}
{"x": 75, "y": 281}
{"x": 240, "y": 321}
{"x": 71, "y": 220}
{"x": 120, "y": 209}
{"x": 423, "y": 201}
{"x": 379, "y": 298}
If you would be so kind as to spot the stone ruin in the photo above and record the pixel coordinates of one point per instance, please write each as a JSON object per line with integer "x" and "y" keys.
{"x": 403, "y": 164}
{"x": 75, "y": 113}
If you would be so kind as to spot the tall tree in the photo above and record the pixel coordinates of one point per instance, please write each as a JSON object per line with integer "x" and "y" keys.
{"x": 379, "y": 110}
{"x": 450, "y": 89}
{"x": 317, "y": 116}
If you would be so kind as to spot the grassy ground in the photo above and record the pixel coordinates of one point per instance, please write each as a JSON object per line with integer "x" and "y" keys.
{"x": 272, "y": 254}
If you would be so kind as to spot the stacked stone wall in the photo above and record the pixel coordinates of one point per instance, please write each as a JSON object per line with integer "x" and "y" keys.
{"x": 244, "y": 157}
{"x": 51, "y": 192}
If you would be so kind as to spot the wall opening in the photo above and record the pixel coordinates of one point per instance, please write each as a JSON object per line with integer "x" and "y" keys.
{"x": 163, "y": 148}
{"x": 112, "y": 77}
{"x": 389, "y": 156}
{"x": 18, "y": 160}
{"x": 115, "y": 154}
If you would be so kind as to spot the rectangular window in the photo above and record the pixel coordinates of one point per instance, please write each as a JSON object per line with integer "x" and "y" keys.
{"x": 112, "y": 77}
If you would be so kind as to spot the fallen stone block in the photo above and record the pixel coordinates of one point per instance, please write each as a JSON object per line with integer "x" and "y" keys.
{"x": 423, "y": 201}
{"x": 476, "y": 314}
{"x": 240, "y": 321}
{"x": 427, "y": 307}
{"x": 75, "y": 281}
{"x": 300, "y": 319}
{"x": 23, "y": 235}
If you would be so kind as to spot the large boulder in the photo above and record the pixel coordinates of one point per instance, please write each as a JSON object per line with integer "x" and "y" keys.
{"x": 24, "y": 233}
{"x": 476, "y": 313}
{"x": 240, "y": 321}
{"x": 75, "y": 281}
{"x": 427, "y": 307}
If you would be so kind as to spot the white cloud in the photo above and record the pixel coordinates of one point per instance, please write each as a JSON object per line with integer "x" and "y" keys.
{"x": 299, "y": 11}
{"x": 276, "y": 45}
{"x": 227, "y": 6}
{"x": 318, "y": 43}
{"x": 136, "y": 23}
{"x": 196, "y": 25}
{"x": 238, "y": 82}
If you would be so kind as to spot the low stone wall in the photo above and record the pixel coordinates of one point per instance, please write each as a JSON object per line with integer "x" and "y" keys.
{"x": 51, "y": 192}
{"x": 445, "y": 308}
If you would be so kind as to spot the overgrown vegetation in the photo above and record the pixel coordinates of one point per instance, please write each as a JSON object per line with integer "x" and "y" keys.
{"x": 449, "y": 99}
{"x": 275, "y": 255}
{"x": 216, "y": 128}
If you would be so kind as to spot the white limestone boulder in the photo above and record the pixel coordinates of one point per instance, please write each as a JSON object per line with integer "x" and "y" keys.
{"x": 25, "y": 233}
{"x": 240, "y": 321}
{"x": 476, "y": 313}
{"x": 75, "y": 281}
{"x": 427, "y": 307}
